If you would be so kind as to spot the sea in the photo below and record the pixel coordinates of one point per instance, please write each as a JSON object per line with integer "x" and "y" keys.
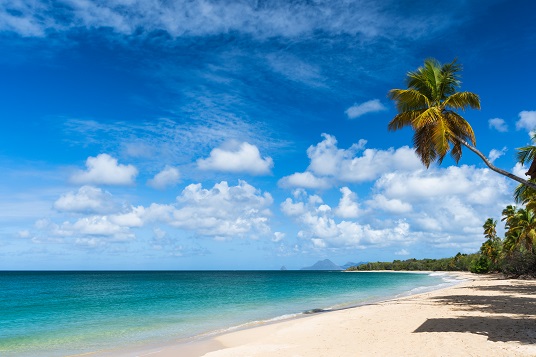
{"x": 79, "y": 312}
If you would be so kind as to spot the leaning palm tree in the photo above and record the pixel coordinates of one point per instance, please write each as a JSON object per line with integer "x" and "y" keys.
{"x": 429, "y": 106}
{"x": 524, "y": 194}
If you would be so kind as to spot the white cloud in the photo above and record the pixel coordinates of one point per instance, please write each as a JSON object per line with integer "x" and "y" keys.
{"x": 278, "y": 237}
{"x": 237, "y": 157}
{"x": 348, "y": 207}
{"x": 305, "y": 180}
{"x": 105, "y": 170}
{"x": 495, "y": 154}
{"x": 24, "y": 233}
{"x": 296, "y": 69}
{"x": 389, "y": 205}
{"x": 402, "y": 252}
{"x": 329, "y": 164}
{"x": 93, "y": 230}
{"x": 519, "y": 170}
{"x": 132, "y": 218}
{"x": 481, "y": 186}
{"x": 99, "y": 226}
{"x": 322, "y": 230}
{"x": 88, "y": 199}
{"x": 223, "y": 211}
{"x": 527, "y": 121}
{"x": 498, "y": 124}
{"x": 452, "y": 202}
{"x": 370, "y": 106}
{"x": 168, "y": 177}
{"x": 204, "y": 18}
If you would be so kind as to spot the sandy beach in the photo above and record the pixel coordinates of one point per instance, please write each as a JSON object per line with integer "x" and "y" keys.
{"x": 482, "y": 316}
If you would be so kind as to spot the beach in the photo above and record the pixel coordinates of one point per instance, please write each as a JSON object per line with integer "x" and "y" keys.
{"x": 482, "y": 316}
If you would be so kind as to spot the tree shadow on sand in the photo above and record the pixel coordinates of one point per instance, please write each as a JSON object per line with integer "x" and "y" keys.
{"x": 520, "y": 326}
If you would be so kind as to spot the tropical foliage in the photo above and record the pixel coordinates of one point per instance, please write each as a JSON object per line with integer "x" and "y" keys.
{"x": 460, "y": 262}
{"x": 430, "y": 106}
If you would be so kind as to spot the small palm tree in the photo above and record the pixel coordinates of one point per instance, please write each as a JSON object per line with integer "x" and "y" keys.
{"x": 524, "y": 194}
{"x": 429, "y": 106}
{"x": 492, "y": 246}
{"x": 520, "y": 228}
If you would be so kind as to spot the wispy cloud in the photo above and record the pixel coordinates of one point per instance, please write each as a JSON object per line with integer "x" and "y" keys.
{"x": 169, "y": 141}
{"x": 370, "y": 106}
{"x": 204, "y": 17}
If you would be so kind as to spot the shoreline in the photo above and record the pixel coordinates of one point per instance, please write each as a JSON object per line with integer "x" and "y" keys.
{"x": 201, "y": 344}
{"x": 480, "y": 315}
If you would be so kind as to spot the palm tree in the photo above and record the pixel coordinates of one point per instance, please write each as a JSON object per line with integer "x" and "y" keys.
{"x": 429, "y": 107}
{"x": 492, "y": 246}
{"x": 490, "y": 230}
{"x": 524, "y": 194}
{"x": 520, "y": 228}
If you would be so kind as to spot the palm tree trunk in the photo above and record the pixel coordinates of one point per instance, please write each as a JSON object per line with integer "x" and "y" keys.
{"x": 495, "y": 168}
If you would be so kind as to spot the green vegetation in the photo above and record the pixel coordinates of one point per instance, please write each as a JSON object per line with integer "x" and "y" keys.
{"x": 429, "y": 106}
{"x": 514, "y": 255}
{"x": 460, "y": 262}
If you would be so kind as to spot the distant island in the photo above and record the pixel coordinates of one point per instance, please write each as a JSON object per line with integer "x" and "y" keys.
{"x": 325, "y": 264}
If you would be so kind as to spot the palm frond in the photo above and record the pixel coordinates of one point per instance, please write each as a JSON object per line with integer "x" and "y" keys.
{"x": 402, "y": 120}
{"x": 527, "y": 154}
{"x": 408, "y": 99}
{"x": 423, "y": 144}
{"x": 450, "y": 78}
{"x": 456, "y": 151}
{"x": 460, "y": 127}
{"x": 440, "y": 137}
{"x": 462, "y": 100}
{"x": 427, "y": 117}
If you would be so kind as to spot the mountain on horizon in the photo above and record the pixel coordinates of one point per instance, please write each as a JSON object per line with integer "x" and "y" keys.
{"x": 325, "y": 264}
{"x": 350, "y": 264}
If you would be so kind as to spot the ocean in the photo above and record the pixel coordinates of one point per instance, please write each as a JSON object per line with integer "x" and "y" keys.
{"x": 67, "y": 313}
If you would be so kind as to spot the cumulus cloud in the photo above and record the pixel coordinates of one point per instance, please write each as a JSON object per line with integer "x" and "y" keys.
{"x": 402, "y": 252}
{"x": 439, "y": 207}
{"x": 237, "y": 157}
{"x": 370, "y": 106}
{"x": 92, "y": 231}
{"x": 321, "y": 228}
{"x": 305, "y": 180}
{"x": 348, "y": 206}
{"x": 329, "y": 164}
{"x": 168, "y": 177}
{"x": 519, "y": 170}
{"x": 104, "y": 169}
{"x": 527, "y": 121}
{"x": 222, "y": 211}
{"x": 389, "y": 205}
{"x": 87, "y": 199}
{"x": 451, "y": 201}
{"x": 498, "y": 124}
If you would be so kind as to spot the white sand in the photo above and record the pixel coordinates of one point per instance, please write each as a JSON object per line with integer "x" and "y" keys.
{"x": 484, "y": 316}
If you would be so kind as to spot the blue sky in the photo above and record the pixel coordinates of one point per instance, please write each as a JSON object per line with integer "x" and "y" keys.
{"x": 247, "y": 134}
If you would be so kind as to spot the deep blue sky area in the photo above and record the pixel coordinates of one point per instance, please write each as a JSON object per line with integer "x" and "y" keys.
{"x": 247, "y": 134}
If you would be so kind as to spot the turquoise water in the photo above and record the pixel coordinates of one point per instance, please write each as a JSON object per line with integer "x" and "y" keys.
{"x": 62, "y": 313}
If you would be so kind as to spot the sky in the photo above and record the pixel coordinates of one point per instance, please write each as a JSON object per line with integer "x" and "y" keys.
{"x": 219, "y": 134}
